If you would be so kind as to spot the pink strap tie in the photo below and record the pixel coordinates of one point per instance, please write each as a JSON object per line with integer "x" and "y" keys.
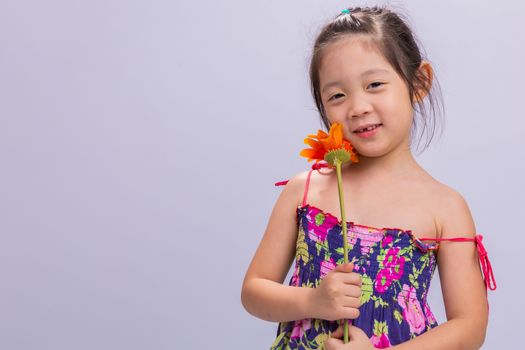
{"x": 486, "y": 267}
{"x": 485, "y": 263}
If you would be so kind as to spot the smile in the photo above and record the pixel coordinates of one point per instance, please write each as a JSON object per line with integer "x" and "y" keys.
{"x": 369, "y": 132}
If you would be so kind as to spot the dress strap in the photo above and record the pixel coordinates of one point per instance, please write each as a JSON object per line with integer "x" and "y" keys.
{"x": 486, "y": 267}
{"x": 305, "y": 195}
{"x": 281, "y": 183}
{"x": 315, "y": 166}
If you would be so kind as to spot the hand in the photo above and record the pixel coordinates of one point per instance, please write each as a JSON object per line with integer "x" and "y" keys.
{"x": 338, "y": 295}
{"x": 357, "y": 340}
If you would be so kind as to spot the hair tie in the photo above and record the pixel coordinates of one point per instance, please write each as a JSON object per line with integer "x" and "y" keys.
{"x": 346, "y": 11}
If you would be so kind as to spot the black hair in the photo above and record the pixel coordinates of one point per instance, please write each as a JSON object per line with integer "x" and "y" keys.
{"x": 392, "y": 36}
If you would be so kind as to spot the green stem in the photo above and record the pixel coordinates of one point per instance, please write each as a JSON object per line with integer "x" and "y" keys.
{"x": 343, "y": 226}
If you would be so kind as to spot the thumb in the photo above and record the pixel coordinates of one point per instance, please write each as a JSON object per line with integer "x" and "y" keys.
{"x": 348, "y": 267}
{"x": 338, "y": 333}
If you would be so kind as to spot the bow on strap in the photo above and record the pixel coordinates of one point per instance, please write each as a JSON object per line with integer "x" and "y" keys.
{"x": 486, "y": 267}
{"x": 485, "y": 263}
{"x": 319, "y": 165}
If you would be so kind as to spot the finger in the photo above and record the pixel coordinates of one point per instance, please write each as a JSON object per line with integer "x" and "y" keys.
{"x": 338, "y": 333}
{"x": 333, "y": 344}
{"x": 351, "y": 302}
{"x": 351, "y": 290}
{"x": 353, "y": 278}
{"x": 348, "y": 267}
{"x": 351, "y": 313}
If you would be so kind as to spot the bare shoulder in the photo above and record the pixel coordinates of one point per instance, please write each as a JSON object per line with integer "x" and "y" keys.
{"x": 453, "y": 213}
{"x": 318, "y": 178}
{"x": 276, "y": 250}
{"x": 295, "y": 187}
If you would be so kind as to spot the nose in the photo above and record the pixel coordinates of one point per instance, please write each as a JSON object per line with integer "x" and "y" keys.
{"x": 359, "y": 106}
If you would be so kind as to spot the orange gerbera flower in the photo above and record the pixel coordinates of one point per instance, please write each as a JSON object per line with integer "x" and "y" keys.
{"x": 329, "y": 147}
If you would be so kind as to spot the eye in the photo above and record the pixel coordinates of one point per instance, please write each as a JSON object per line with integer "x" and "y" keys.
{"x": 334, "y": 96}
{"x": 376, "y": 82}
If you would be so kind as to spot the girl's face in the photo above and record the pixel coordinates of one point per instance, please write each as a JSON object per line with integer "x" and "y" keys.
{"x": 359, "y": 87}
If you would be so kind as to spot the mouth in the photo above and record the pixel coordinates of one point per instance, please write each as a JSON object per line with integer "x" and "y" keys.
{"x": 367, "y": 129}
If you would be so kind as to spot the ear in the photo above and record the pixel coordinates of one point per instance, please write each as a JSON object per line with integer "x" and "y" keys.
{"x": 425, "y": 74}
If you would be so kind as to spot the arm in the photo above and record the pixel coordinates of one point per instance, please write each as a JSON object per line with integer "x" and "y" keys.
{"x": 463, "y": 289}
{"x": 263, "y": 294}
{"x": 275, "y": 302}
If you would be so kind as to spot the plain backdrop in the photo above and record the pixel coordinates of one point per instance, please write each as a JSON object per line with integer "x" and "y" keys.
{"x": 140, "y": 142}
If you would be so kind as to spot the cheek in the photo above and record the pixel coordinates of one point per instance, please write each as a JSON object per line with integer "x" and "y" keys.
{"x": 394, "y": 110}
{"x": 347, "y": 134}
{"x": 335, "y": 116}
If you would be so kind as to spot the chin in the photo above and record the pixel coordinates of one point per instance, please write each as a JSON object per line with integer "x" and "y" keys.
{"x": 370, "y": 153}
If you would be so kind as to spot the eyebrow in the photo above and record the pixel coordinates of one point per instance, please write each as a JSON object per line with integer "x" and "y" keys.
{"x": 365, "y": 73}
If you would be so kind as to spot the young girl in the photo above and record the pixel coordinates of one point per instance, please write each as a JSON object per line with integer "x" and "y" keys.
{"x": 367, "y": 73}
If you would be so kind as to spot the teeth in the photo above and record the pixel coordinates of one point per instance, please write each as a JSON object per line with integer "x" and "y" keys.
{"x": 367, "y": 129}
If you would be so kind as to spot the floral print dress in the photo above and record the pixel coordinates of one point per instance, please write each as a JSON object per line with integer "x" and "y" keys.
{"x": 395, "y": 267}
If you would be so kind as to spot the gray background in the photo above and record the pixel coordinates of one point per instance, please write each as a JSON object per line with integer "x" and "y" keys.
{"x": 140, "y": 142}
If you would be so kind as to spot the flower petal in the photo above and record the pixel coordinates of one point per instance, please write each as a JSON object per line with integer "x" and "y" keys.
{"x": 336, "y": 133}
